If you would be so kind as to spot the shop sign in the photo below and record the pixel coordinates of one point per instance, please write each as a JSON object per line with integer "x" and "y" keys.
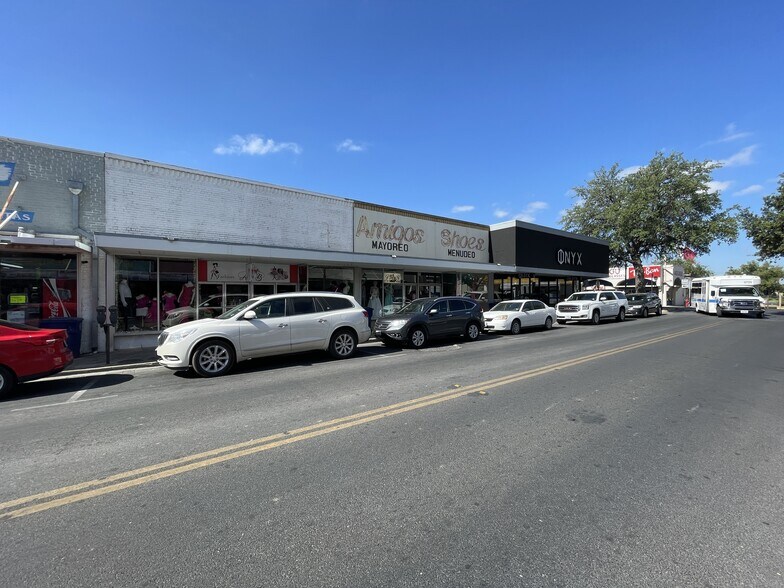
{"x": 17, "y": 299}
{"x": 6, "y": 172}
{"x": 392, "y": 278}
{"x": 573, "y": 258}
{"x": 406, "y": 236}
{"x": 238, "y": 271}
{"x": 19, "y": 216}
{"x": 650, "y": 272}
{"x": 617, "y": 273}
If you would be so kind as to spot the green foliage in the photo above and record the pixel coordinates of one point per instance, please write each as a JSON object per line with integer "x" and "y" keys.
{"x": 654, "y": 212}
{"x": 767, "y": 229}
{"x": 769, "y": 275}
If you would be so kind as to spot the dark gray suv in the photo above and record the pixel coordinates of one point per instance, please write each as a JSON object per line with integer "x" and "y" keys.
{"x": 427, "y": 318}
{"x": 643, "y": 304}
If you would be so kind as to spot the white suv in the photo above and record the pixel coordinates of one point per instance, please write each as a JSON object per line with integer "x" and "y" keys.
{"x": 267, "y": 325}
{"x": 592, "y": 306}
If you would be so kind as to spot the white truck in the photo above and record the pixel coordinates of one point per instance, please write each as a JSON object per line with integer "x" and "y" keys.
{"x": 728, "y": 295}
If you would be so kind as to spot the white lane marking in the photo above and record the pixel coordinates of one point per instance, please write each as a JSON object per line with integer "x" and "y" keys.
{"x": 693, "y": 408}
{"x": 62, "y": 403}
{"x": 78, "y": 395}
{"x": 551, "y": 406}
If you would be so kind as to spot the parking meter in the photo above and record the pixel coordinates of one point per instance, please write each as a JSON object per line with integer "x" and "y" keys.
{"x": 113, "y": 316}
{"x": 101, "y": 315}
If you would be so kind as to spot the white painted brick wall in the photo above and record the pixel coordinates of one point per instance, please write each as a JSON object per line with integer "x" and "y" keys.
{"x": 154, "y": 200}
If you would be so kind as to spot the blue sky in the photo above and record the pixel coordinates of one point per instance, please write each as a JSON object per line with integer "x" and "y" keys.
{"x": 482, "y": 111}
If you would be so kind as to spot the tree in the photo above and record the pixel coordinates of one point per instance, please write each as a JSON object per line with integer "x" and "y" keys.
{"x": 769, "y": 275}
{"x": 767, "y": 229}
{"x": 654, "y": 212}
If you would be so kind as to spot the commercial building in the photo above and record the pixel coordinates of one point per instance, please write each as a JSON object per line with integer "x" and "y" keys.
{"x": 165, "y": 243}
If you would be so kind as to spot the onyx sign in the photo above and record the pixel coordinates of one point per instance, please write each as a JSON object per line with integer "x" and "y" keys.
{"x": 570, "y": 257}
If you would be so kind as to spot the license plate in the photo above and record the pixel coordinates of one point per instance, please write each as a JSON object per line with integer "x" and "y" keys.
{"x": 744, "y": 312}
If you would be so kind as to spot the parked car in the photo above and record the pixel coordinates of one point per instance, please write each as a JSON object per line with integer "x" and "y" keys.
{"x": 514, "y": 315}
{"x": 266, "y": 325}
{"x": 427, "y": 318}
{"x": 643, "y": 304}
{"x": 592, "y": 306}
{"x": 28, "y": 353}
{"x": 209, "y": 308}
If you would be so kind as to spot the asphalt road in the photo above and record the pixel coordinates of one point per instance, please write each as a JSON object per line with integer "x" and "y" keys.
{"x": 644, "y": 453}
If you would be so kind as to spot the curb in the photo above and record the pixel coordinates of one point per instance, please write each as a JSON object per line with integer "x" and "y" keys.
{"x": 107, "y": 368}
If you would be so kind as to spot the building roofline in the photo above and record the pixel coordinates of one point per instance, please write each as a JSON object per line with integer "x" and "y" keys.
{"x": 542, "y": 229}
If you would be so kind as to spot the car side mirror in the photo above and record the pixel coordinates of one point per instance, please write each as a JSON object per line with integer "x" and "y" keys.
{"x": 249, "y": 315}
{"x": 432, "y": 311}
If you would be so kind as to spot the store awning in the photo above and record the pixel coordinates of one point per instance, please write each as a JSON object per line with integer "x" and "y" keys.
{"x": 60, "y": 244}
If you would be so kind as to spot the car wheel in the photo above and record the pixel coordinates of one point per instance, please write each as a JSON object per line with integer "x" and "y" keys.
{"x": 621, "y": 315}
{"x": 658, "y": 311}
{"x": 343, "y": 344}
{"x": 515, "y": 330}
{"x": 417, "y": 338}
{"x": 760, "y": 314}
{"x": 595, "y": 317}
{"x": 644, "y": 312}
{"x": 548, "y": 323}
{"x": 7, "y": 381}
{"x": 213, "y": 358}
{"x": 472, "y": 331}
{"x": 561, "y": 321}
{"x": 718, "y": 312}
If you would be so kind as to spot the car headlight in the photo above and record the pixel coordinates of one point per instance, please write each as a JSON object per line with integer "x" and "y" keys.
{"x": 585, "y": 306}
{"x": 180, "y": 335}
{"x": 397, "y": 323}
{"x": 502, "y": 317}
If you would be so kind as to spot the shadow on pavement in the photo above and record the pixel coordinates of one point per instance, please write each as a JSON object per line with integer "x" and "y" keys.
{"x": 43, "y": 388}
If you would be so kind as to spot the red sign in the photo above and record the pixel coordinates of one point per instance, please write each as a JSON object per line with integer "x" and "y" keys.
{"x": 651, "y": 272}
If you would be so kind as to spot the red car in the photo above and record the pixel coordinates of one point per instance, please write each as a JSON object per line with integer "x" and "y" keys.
{"x": 29, "y": 353}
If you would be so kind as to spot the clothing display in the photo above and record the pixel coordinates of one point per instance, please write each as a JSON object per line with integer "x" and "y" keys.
{"x": 374, "y": 302}
{"x": 152, "y": 313}
{"x": 169, "y": 302}
{"x": 142, "y": 302}
{"x": 186, "y": 294}
{"x": 126, "y": 306}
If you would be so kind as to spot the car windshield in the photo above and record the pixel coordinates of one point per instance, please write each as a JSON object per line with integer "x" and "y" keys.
{"x": 747, "y": 291}
{"x": 637, "y": 297}
{"x": 415, "y": 306}
{"x": 582, "y": 296}
{"x": 237, "y": 310}
{"x": 508, "y": 306}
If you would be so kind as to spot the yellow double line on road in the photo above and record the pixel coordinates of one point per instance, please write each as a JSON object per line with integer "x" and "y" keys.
{"x": 35, "y": 503}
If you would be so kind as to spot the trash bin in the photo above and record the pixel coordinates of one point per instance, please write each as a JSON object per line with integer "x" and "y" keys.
{"x": 72, "y": 325}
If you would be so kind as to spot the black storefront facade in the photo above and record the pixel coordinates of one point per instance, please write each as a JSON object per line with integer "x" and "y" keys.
{"x": 549, "y": 263}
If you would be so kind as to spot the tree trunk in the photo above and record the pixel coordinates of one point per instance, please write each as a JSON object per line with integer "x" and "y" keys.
{"x": 639, "y": 275}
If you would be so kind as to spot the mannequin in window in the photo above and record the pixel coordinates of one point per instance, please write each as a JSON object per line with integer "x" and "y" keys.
{"x": 169, "y": 302}
{"x": 374, "y": 302}
{"x": 152, "y": 313}
{"x": 126, "y": 306}
{"x": 186, "y": 294}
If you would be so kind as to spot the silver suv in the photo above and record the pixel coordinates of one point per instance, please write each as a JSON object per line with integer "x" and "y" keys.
{"x": 427, "y": 318}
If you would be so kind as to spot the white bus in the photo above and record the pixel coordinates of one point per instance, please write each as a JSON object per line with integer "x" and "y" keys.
{"x": 726, "y": 295}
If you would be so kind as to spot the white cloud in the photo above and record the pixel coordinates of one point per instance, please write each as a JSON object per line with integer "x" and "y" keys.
{"x": 730, "y": 134}
{"x": 254, "y": 145}
{"x": 753, "y": 189}
{"x": 499, "y": 213}
{"x": 742, "y": 157}
{"x": 528, "y": 214}
{"x": 463, "y": 208}
{"x": 349, "y": 146}
{"x": 627, "y": 171}
{"x": 715, "y": 186}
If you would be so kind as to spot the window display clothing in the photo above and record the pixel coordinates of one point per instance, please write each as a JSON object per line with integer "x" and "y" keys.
{"x": 152, "y": 313}
{"x": 126, "y": 306}
{"x": 186, "y": 294}
{"x": 142, "y": 302}
{"x": 169, "y": 302}
{"x": 374, "y": 302}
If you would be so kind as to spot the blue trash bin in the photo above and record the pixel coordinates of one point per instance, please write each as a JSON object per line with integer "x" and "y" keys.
{"x": 72, "y": 325}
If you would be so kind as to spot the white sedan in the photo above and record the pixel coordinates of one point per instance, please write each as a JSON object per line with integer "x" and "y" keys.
{"x": 514, "y": 315}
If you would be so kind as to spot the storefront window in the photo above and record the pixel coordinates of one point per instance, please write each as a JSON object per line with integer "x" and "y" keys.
{"x": 37, "y": 287}
{"x": 328, "y": 279}
{"x": 150, "y": 290}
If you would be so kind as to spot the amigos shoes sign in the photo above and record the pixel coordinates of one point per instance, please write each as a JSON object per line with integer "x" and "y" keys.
{"x": 407, "y": 236}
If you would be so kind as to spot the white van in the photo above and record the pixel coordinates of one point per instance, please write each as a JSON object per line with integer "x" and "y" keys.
{"x": 725, "y": 295}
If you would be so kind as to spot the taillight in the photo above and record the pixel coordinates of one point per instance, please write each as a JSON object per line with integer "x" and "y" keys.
{"x": 365, "y": 312}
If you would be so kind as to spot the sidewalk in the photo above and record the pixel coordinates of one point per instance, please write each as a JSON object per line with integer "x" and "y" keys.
{"x": 121, "y": 359}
